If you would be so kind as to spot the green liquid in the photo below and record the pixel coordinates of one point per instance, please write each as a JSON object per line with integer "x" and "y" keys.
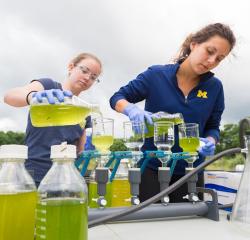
{"x": 17, "y": 216}
{"x": 150, "y": 128}
{"x": 120, "y": 193}
{"x": 57, "y": 115}
{"x": 117, "y": 194}
{"x": 62, "y": 219}
{"x": 190, "y": 144}
{"x": 102, "y": 143}
{"x": 93, "y": 196}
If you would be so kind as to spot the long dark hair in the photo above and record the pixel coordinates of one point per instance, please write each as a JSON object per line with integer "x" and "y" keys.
{"x": 204, "y": 34}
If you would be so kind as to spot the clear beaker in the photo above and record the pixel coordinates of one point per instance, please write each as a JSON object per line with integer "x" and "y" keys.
{"x": 70, "y": 112}
{"x": 18, "y": 195}
{"x": 175, "y": 118}
{"x": 241, "y": 209}
{"x": 164, "y": 135}
{"x": 134, "y": 133}
{"x": 189, "y": 140}
{"x": 164, "y": 139}
{"x": 102, "y": 134}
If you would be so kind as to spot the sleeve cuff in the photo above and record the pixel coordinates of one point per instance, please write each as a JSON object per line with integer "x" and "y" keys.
{"x": 213, "y": 133}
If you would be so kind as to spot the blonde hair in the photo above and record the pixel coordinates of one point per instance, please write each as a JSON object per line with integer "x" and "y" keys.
{"x": 82, "y": 56}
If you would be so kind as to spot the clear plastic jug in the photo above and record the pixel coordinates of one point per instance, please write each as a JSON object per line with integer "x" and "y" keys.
{"x": 62, "y": 211}
{"x": 241, "y": 209}
{"x": 120, "y": 187}
{"x": 70, "y": 112}
{"x": 175, "y": 118}
{"x": 18, "y": 195}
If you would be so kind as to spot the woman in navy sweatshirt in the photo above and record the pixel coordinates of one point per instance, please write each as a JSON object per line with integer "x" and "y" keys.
{"x": 176, "y": 88}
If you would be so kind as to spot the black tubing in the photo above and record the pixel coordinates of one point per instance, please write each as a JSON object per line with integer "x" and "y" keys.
{"x": 229, "y": 205}
{"x": 166, "y": 191}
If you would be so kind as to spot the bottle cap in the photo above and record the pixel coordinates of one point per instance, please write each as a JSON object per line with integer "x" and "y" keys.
{"x": 14, "y": 151}
{"x": 63, "y": 151}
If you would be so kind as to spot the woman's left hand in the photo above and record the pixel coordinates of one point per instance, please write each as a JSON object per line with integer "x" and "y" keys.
{"x": 208, "y": 147}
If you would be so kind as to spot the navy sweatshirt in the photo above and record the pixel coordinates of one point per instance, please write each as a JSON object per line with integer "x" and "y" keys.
{"x": 158, "y": 87}
{"x": 40, "y": 139}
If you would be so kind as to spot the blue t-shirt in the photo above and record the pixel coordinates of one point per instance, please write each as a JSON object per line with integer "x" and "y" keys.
{"x": 158, "y": 87}
{"x": 40, "y": 139}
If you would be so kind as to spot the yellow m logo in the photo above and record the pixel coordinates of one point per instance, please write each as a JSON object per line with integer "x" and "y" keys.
{"x": 202, "y": 94}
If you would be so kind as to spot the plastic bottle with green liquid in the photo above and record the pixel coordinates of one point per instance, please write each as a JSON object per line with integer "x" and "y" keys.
{"x": 175, "y": 118}
{"x": 18, "y": 195}
{"x": 70, "y": 112}
{"x": 62, "y": 209}
{"x": 240, "y": 217}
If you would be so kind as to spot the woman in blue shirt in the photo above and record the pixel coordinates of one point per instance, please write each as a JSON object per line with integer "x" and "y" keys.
{"x": 83, "y": 72}
{"x": 177, "y": 88}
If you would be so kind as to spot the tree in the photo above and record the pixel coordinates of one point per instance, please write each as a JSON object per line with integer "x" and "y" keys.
{"x": 118, "y": 145}
{"x": 229, "y": 138}
{"x": 11, "y": 137}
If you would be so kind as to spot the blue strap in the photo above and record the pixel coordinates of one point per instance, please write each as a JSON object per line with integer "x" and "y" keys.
{"x": 110, "y": 161}
{"x": 173, "y": 165}
{"x": 85, "y": 166}
{"x": 175, "y": 157}
{"x": 151, "y": 154}
{"x": 85, "y": 157}
{"x": 79, "y": 160}
{"x": 117, "y": 163}
{"x": 158, "y": 154}
{"x": 117, "y": 156}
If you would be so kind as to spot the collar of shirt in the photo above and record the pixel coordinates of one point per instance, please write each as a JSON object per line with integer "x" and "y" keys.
{"x": 203, "y": 77}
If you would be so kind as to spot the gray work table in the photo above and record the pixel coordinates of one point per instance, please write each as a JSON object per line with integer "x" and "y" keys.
{"x": 187, "y": 228}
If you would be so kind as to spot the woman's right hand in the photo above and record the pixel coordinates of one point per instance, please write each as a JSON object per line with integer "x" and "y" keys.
{"x": 51, "y": 95}
{"x": 136, "y": 114}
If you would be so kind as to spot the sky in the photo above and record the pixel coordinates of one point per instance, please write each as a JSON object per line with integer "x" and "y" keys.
{"x": 39, "y": 38}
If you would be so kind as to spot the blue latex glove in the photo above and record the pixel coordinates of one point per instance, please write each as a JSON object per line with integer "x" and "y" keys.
{"x": 136, "y": 114}
{"x": 208, "y": 147}
{"x": 51, "y": 94}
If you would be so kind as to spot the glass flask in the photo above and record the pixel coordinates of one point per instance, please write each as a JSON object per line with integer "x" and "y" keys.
{"x": 241, "y": 209}
{"x": 61, "y": 212}
{"x": 164, "y": 139}
{"x": 189, "y": 141}
{"x": 164, "y": 135}
{"x": 120, "y": 186}
{"x": 103, "y": 134}
{"x": 134, "y": 134}
{"x": 70, "y": 112}
{"x": 175, "y": 118}
{"x": 189, "y": 137}
{"x": 18, "y": 195}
